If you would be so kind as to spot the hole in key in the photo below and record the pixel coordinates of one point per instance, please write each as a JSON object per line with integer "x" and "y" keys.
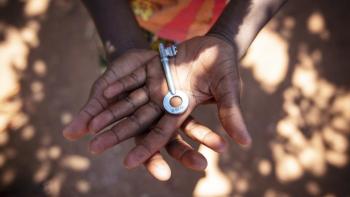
{"x": 175, "y": 101}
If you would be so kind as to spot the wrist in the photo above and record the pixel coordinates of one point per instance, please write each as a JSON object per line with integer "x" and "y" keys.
{"x": 113, "y": 51}
{"x": 224, "y": 37}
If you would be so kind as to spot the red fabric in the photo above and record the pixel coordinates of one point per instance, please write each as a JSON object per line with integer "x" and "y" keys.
{"x": 218, "y": 8}
{"x": 179, "y": 26}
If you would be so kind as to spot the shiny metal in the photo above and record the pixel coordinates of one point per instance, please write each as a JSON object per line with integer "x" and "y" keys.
{"x": 165, "y": 53}
{"x": 178, "y": 109}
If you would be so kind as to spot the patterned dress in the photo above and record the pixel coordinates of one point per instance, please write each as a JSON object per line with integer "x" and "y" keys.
{"x": 177, "y": 20}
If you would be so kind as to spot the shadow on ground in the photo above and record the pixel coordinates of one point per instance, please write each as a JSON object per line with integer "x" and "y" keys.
{"x": 296, "y": 102}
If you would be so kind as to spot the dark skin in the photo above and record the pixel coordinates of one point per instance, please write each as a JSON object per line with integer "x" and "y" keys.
{"x": 212, "y": 76}
{"x": 210, "y": 62}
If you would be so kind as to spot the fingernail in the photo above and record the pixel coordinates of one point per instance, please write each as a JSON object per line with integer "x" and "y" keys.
{"x": 130, "y": 164}
{"x": 195, "y": 161}
{"x": 218, "y": 144}
{"x": 201, "y": 164}
{"x": 131, "y": 161}
{"x": 245, "y": 142}
{"x": 162, "y": 172}
{"x": 68, "y": 133}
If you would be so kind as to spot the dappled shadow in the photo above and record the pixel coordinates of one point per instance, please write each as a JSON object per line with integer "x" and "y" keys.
{"x": 296, "y": 102}
{"x": 297, "y": 105}
{"x": 34, "y": 158}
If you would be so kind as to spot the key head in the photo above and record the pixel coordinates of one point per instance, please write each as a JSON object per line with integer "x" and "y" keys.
{"x": 166, "y": 52}
{"x": 179, "y": 108}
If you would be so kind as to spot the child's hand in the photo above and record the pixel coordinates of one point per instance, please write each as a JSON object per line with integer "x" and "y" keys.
{"x": 97, "y": 103}
{"x": 205, "y": 68}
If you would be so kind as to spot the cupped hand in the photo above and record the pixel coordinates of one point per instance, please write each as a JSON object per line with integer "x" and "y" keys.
{"x": 97, "y": 104}
{"x": 205, "y": 68}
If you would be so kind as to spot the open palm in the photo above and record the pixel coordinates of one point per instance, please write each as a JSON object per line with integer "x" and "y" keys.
{"x": 205, "y": 68}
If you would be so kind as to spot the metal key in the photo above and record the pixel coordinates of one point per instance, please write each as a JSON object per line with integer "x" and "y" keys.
{"x": 165, "y": 53}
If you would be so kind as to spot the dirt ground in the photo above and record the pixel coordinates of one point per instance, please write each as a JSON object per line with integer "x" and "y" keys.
{"x": 296, "y": 102}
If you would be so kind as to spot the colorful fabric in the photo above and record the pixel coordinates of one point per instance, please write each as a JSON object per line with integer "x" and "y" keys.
{"x": 177, "y": 20}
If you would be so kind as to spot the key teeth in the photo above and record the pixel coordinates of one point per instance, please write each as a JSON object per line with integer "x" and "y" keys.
{"x": 167, "y": 51}
{"x": 171, "y": 51}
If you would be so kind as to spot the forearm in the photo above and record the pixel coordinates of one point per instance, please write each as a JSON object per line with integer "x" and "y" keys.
{"x": 116, "y": 26}
{"x": 242, "y": 20}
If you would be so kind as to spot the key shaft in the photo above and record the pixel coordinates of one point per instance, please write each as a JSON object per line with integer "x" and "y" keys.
{"x": 165, "y": 53}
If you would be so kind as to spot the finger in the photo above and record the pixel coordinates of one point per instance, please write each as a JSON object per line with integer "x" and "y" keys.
{"x": 156, "y": 139}
{"x": 119, "y": 110}
{"x": 156, "y": 165}
{"x": 79, "y": 125}
{"x": 185, "y": 154}
{"x": 227, "y": 97}
{"x": 203, "y": 135}
{"x": 127, "y": 83}
{"x": 129, "y": 127}
{"x": 96, "y": 103}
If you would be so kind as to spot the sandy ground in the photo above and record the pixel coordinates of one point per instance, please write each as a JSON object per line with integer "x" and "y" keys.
{"x": 296, "y": 102}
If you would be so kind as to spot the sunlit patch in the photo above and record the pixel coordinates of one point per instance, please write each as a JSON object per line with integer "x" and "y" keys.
{"x": 13, "y": 52}
{"x": 36, "y": 7}
{"x": 42, "y": 172}
{"x": 264, "y": 167}
{"x": 54, "y": 185}
{"x": 8, "y": 80}
{"x": 214, "y": 183}
{"x": 313, "y": 188}
{"x": 9, "y": 109}
{"x": 289, "y": 22}
{"x": 274, "y": 193}
{"x": 241, "y": 185}
{"x": 4, "y": 138}
{"x": 4, "y": 120}
{"x": 82, "y": 186}
{"x": 2, "y": 160}
{"x": 30, "y": 33}
{"x": 288, "y": 26}
{"x": 313, "y": 132}
{"x": 19, "y": 120}
{"x": 317, "y": 25}
{"x": 340, "y": 123}
{"x": 41, "y": 154}
{"x": 54, "y": 152}
{"x": 28, "y": 132}
{"x": 37, "y": 88}
{"x": 8, "y": 176}
{"x": 39, "y": 68}
{"x": 304, "y": 78}
{"x": 312, "y": 157}
{"x": 76, "y": 162}
{"x": 288, "y": 167}
{"x": 268, "y": 59}
{"x": 335, "y": 140}
{"x": 341, "y": 106}
{"x": 66, "y": 117}
{"x": 336, "y": 158}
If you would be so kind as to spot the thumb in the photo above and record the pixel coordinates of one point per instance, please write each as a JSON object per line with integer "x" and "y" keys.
{"x": 227, "y": 96}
